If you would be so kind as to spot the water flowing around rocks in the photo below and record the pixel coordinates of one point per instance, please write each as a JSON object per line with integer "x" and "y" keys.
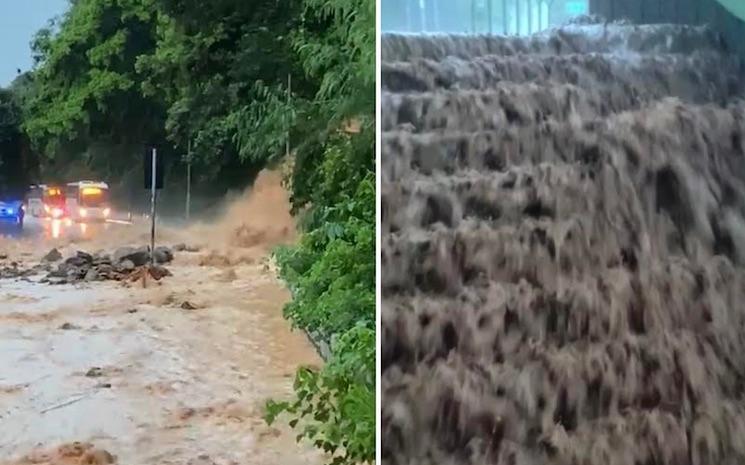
{"x": 563, "y": 221}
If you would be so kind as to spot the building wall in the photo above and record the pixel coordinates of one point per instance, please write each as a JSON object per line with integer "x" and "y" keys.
{"x": 694, "y": 12}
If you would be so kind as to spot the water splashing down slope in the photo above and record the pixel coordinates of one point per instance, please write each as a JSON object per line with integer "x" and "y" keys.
{"x": 563, "y": 245}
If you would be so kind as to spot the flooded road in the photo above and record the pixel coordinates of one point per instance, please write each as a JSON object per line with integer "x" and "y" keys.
{"x": 174, "y": 373}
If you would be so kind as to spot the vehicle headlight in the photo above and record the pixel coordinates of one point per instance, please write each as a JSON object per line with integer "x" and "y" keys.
{"x": 106, "y": 211}
{"x": 83, "y": 212}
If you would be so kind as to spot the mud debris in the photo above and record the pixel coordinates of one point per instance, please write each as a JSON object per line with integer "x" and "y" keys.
{"x": 76, "y": 453}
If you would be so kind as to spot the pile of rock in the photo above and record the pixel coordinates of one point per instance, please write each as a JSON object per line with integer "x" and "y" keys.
{"x": 125, "y": 263}
{"x": 15, "y": 270}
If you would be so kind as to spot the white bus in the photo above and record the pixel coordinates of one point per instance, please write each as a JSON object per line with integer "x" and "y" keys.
{"x": 88, "y": 201}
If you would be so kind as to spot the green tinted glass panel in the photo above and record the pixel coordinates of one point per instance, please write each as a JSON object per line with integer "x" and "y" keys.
{"x": 736, "y": 7}
{"x": 577, "y": 7}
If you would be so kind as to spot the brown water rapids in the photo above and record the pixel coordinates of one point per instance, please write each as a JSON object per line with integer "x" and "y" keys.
{"x": 563, "y": 247}
{"x": 176, "y": 372}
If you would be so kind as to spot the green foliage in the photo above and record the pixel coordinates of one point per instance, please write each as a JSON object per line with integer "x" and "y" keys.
{"x": 14, "y": 153}
{"x": 335, "y": 407}
{"x": 86, "y": 87}
{"x": 331, "y": 271}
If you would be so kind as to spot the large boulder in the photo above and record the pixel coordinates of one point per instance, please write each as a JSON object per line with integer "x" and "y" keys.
{"x": 139, "y": 257}
{"x": 121, "y": 253}
{"x": 163, "y": 255}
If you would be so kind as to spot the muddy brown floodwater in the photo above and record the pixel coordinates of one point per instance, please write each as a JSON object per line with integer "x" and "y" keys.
{"x": 563, "y": 240}
{"x": 175, "y": 373}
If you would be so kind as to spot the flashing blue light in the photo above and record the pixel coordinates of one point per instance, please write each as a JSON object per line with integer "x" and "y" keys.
{"x": 10, "y": 211}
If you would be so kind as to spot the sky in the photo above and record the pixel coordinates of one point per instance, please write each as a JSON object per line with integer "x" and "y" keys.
{"x": 18, "y": 24}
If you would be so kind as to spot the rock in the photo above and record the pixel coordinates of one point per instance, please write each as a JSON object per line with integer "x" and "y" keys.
{"x": 101, "y": 255}
{"x": 53, "y": 256}
{"x": 76, "y": 261}
{"x": 127, "y": 265}
{"x": 86, "y": 257}
{"x": 105, "y": 269}
{"x": 3, "y": 256}
{"x": 68, "y": 326}
{"x": 163, "y": 255}
{"x": 121, "y": 253}
{"x": 58, "y": 273}
{"x": 139, "y": 257}
{"x": 188, "y": 306}
{"x": 100, "y": 258}
{"x": 91, "y": 275}
{"x": 95, "y": 372}
{"x": 75, "y": 274}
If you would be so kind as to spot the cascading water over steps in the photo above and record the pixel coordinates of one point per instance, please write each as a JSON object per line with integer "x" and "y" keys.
{"x": 563, "y": 241}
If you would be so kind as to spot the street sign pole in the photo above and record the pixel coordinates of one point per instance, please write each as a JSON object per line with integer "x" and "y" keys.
{"x": 153, "y": 198}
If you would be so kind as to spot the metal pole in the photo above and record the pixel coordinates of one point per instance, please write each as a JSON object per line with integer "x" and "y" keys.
{"x": 153, "y": 197}
{"x": 188, "y": 183}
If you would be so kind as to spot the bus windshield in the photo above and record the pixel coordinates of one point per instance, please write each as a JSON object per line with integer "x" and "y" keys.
{"x": 93, "y": 197}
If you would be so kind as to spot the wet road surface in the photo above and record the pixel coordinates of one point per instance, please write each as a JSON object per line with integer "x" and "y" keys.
{"x": 128, "y": 370}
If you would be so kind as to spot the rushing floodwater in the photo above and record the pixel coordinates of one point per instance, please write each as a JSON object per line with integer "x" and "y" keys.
{"x": 563, "y": 222}
{"x": 131, "y": 372}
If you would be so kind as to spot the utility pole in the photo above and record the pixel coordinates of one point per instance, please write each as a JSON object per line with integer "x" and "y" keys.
{"x": 153, "y": 198}
{"x": 188, "y": 182}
